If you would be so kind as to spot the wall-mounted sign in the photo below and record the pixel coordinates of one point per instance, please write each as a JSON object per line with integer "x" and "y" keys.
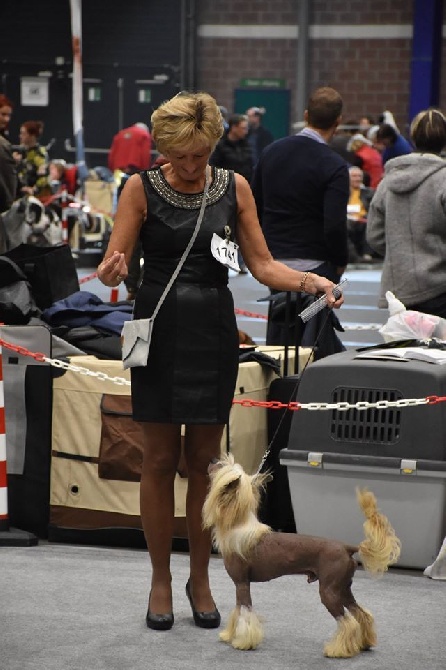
{"x": 144, "y": 95}
{"x": 34, "y": 91}
{"x": 262, "y": 82}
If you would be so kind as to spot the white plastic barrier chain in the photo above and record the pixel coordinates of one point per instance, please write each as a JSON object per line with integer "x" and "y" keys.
{"x": 312, "y": 406}
{"x": 102, "y": 376}
{"x": 341, "y": 406}
{"x": 362, "y": 404}
{"x": 364, "y": 326}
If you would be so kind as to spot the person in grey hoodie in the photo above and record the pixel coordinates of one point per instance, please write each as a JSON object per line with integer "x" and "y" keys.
{"x": 407, "y": 220}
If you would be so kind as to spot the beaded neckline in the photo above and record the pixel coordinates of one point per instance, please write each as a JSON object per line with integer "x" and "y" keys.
{"x": 217, "y": 189}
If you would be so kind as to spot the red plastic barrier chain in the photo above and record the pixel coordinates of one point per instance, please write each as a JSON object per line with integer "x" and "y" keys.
{"x": 268, "y": 404}
{"x": 23, "y": 351}
{"x": 253, "y": 315}
{"x": 88, "y": 278}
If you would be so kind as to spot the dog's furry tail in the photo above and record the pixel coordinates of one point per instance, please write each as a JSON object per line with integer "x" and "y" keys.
{"x": 381, "y": 547}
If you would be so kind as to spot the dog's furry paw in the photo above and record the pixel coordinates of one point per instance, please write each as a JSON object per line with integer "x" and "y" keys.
{"x": 347, "y": 641}
{"x": 248, "y": 631}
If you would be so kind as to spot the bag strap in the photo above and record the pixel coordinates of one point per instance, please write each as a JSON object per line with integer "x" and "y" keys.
{"x": 176, "y": 272}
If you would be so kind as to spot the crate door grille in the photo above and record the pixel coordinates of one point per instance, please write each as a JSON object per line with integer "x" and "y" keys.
{"x": 380, "y": 426}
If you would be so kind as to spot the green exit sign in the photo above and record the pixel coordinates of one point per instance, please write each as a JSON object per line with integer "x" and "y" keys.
{"x": 262, "y": 82}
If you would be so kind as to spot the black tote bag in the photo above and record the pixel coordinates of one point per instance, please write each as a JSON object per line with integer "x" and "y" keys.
{"x": 51, "y": 271}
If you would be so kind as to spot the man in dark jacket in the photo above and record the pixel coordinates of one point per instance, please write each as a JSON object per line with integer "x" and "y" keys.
{"x": 301, "y": 188}
{"x": 258, "y": 136}
{"x": 233, "y": 151}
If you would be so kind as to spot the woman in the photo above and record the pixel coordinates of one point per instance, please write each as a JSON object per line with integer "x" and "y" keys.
{"x": 407, "y": 220}
{"x": 357, "y": 209}
{"x": 8, "y": 174}
{"x": 191, "y": 372}
{"x": 32, "y": 161}
{"x": 370, "y": 159}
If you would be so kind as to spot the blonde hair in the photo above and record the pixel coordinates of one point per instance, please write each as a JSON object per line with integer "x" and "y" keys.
{"x": 355, "y": 144}
{"x": 187, "y": 119}
{"x": 428, "y": 131}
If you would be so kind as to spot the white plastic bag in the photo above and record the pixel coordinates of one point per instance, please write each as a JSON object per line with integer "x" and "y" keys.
{"x": 438, "y": 568}
{"x": 404, "y": 324}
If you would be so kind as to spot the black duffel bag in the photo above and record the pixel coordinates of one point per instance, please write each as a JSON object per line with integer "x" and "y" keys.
{"x": 17, "y": 305}
{"x": 51, "y": 271}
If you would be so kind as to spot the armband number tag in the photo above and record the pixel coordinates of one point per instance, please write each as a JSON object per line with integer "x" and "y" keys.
{"x": 225, "y": 252}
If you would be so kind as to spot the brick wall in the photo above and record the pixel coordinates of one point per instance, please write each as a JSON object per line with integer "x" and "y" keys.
{"x": 371, "y": 74}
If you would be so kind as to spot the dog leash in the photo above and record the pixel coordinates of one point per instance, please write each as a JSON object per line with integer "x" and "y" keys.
{"x": 293, "y": 392}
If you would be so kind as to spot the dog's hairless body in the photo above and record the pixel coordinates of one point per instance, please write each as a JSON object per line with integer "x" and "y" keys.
{"x": 278, "y": 554}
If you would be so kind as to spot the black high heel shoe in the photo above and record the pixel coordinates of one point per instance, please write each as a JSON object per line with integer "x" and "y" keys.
{"x": 159, "y": 621}
{"x": 203, "y": 619}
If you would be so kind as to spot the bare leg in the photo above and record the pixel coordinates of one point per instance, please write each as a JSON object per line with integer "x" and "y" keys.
{"x": 202, "y": 444}
{"x": 161, "y": 454}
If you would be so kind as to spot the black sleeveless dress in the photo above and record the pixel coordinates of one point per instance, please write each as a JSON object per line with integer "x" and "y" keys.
{"x": 193, "y": 361}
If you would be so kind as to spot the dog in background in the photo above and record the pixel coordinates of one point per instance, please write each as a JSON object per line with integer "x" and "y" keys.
{"x": 29, "y": 221}
{"x": 252, "y": 552}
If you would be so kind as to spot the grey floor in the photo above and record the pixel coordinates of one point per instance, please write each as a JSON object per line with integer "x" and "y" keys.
{"x": 67, "y": 607}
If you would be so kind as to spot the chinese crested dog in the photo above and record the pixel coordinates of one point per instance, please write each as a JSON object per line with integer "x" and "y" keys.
{"x": 252, "y": 552}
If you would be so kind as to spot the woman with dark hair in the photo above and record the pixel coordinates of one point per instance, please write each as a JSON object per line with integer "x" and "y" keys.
{"x": 32, "y": 161}
{"x": 407, "y": 220}
{"x": 5, "y": 114}
{"x": 191, "y": 372}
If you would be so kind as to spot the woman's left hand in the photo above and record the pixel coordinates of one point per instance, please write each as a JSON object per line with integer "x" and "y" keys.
{"x": 317, "y": 285}
{"x": 113, "y": 270}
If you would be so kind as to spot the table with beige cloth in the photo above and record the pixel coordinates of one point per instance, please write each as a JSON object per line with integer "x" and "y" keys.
{"x": 82, "y": 499}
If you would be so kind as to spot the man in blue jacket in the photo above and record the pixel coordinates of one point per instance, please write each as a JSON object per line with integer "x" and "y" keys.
{"x": 392, "y": 143}
{"x": 301, "y": 188}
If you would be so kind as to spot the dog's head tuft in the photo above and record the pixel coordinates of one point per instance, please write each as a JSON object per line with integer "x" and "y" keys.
{"x": 233, "y": 497}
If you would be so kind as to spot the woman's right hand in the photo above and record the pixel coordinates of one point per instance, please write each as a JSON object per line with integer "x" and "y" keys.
{"x": 317, "y": 285}
{"x": 113, "y": 270}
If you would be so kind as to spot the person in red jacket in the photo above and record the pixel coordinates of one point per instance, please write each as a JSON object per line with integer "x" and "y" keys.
{"x": 371, "y": 159}
{"x": 131, "y": 149}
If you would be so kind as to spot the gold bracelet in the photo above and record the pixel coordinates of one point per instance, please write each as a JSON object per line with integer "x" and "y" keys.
{"x": 302, "y": 282}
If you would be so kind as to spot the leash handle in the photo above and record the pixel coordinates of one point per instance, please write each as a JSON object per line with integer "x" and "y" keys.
{"x": 321, "y": 302}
